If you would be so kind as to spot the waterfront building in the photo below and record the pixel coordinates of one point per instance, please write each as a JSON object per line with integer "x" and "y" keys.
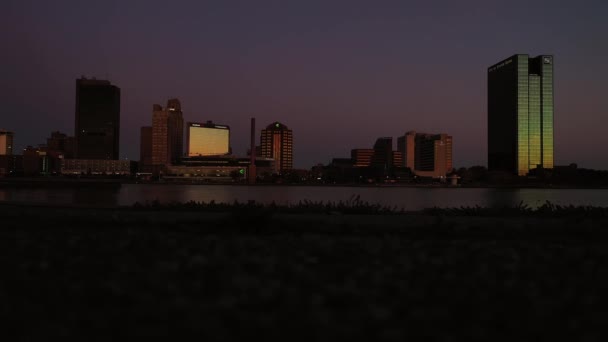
{"x": 361, "y": 157}
{"x": 38, "y": 161}
{"x": 397, "y": 159}
{"x": 60, "y": 144}
{"x": 11, "y": 165}
{"x": 6, "y": 143}
{"x": 207, "y": 139}
{"x": 276, "y": 142}
{"x": 97, "y": 167}
{"x": 405, "y": 145}
{"x": 167, "y": 134}
{"x": 97, "y": 126}
{"x": 520, "y": 114}
{"x": 427, "y": 155}
{"x": 217, "y": 168}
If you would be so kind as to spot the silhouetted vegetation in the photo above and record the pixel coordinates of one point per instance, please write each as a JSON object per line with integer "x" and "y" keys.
{"x": 217, "y": 271}
{"x": 359, "y": 207}
{"x": 354, "y": 205}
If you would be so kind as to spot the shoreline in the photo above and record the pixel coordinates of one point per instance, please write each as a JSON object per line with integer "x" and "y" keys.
{"x": 54, "y": 181}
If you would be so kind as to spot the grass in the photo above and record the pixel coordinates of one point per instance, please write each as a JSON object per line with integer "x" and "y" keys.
{"x": 311, "y": 271}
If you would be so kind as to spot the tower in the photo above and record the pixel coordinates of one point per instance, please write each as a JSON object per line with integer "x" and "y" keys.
{"x": 97, "y": 127}
{"x": 520, "y": 114}
{"x": 277, "y": 143}
{"x": 167, "y": 134}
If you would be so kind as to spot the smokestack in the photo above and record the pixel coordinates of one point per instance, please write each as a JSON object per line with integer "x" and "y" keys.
{"x": 252, "y": 172}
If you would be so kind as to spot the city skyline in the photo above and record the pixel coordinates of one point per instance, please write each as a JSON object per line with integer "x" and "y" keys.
{"x": 358, "y": 70}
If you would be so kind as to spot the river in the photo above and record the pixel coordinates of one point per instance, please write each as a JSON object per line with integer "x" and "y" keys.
{"x": 400, "y": 197}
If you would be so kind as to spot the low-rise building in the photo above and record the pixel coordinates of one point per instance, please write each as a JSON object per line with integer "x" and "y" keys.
{"x": 98, "y": 167}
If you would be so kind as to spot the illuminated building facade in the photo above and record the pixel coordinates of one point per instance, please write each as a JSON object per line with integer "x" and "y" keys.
{"x": 361, "y": 157}
{"x": 520, "y": 114}
{"x": 207, "y": 139}
{"x": 97, "y": 128}
{"x": 405, "y": 145}
{"x": 397, "y": 159}
{"x": 167, "y": 134}
{"x": 427, "y": 155}
{"x": 276, "y": 142}
{"x": 6, "y": 143}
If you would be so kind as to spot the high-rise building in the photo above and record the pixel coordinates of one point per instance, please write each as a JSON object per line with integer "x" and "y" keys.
{"x": 97, "y": 128}
{"x": 277, "y": 143}
{"x": 520, "y": 114}
{"x": 167, "y": 134}
{"x": 176, "y": 130}
{"x": 6, "y": 143}
{"x": 145, "y": 149}
{"x": 428, "y": 155}
{"x": 405, "y": 145}
{"x": 433, "y": 155}
{"x": 207, "y": 139}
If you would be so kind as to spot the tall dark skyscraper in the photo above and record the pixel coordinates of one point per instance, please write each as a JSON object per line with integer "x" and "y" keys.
{"x": 277, "y": 143}
{"x": 520, "y": 114}
{"x": 97, "y": 128}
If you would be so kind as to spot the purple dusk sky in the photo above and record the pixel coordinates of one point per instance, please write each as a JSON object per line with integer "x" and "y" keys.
{"x": 339, "y": 73}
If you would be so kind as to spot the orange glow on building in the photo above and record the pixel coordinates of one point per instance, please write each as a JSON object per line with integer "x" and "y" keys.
{"x": 276, "y": 142}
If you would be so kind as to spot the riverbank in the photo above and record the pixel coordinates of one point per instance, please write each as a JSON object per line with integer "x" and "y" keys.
{"x": 57, "y": 181}
{"x": 232, "y": 272}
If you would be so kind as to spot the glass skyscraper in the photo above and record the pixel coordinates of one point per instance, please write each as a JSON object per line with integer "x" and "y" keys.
{"x": 520, "y": 114}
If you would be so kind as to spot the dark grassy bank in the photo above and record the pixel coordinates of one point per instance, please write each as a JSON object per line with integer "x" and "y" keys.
{"x": 307, "y": 272}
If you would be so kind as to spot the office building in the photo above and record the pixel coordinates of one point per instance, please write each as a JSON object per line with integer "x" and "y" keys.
{"x": 37, "y": 161}
{"x": 97, "y": 167}
{"x": 60, "y": 144}
{"x": 405, "y": 145}
{"x": 217, "y": 168}
{"x": 6, "y": 143}
{"x": 11, "y": 165}
{"x": 97, "y": 127}
{"x": 276, "y": 142}
{"x": 433, "y": 155}
{"x": 361, "y": 157}
{"x": 397, "y": 159}
{"x": 427, "y": 155}
{"x": 207, "y": 139}
{"x": 167, "y": 134}
{"x": 520, "y": 114}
